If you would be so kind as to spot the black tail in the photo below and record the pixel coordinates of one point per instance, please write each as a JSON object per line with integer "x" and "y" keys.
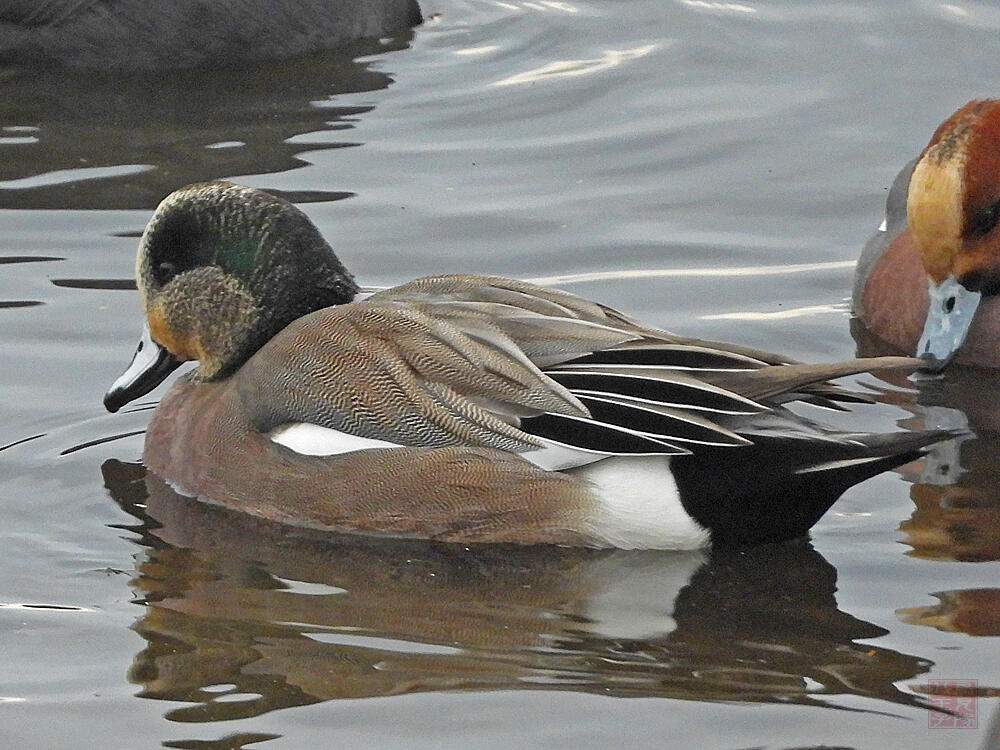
{"x": 779, "y": 487}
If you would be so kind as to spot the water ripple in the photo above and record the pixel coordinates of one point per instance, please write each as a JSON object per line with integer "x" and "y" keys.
{"x": 65, "y": 176}
{"x": 568, "y": 68}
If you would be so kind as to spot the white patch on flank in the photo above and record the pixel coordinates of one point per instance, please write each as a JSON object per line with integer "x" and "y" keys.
{"x": 313, "y": 440}
{"x": 639, "y": 505}
{"x": 884, "y": 225}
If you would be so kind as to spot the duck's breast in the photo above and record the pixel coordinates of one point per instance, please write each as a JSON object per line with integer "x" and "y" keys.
{"x": 891, "y": 300}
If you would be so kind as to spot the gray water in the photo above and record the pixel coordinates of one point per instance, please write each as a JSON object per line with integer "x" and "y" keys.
{"x": 712, "y": 167}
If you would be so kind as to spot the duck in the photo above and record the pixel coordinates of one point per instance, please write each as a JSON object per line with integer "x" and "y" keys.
{"x": 134, "y": 35}
{"x": 466, "y": 408}
{"x": 927, "y": 281}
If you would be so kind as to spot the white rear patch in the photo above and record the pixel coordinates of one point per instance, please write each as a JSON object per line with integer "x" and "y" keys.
{"x": 313, "y": 440}
{"x": 639, "y": 505}
{"x": 884, "y": 225}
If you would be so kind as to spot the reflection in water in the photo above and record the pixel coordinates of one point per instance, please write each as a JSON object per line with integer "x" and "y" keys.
{"x": 229, "y": 742}
{"x": 102, "y": 141}
{"x": 238, "y": 627}
{"x": 957, "y": 497}
{"x": 972, "y": 611}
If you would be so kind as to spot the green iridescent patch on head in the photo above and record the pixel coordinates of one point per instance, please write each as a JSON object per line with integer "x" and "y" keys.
{"x": 237, "y": 254}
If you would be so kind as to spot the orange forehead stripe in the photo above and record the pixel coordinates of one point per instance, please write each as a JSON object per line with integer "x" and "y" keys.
{"x": 957, "y": 175}
{"x": 934, "y": 206}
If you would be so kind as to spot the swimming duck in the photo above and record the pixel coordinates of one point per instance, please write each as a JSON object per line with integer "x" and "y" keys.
{"x": 465, "y": 408}
{"x": 129, "y": 35}
{"x": 927, "y": 281}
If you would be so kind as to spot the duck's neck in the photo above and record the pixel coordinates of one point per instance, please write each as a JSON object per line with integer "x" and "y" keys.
{"x": 271, "y": 314}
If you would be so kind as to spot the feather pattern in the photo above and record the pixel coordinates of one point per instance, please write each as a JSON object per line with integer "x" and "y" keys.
{"x": 673, "y": 356}
{"x": 599, "y": 437}
{"x": 42, "y": 12}
{"x": 799, "y": 380}
{"x": 499, "y": 363}
{"x": 660, "y": 422}
{"x": 656, "y": 385}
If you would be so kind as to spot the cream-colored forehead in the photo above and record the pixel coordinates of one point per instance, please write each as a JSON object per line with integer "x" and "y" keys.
{"x": 934, "y": 206}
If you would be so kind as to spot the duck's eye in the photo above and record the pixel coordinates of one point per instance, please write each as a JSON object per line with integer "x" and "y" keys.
{"x": 985, "y": 219}
{"x": 165, "y": 271}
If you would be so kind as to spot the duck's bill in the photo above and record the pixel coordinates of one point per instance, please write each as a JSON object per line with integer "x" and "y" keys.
{"x": 949, "y": 317}
{"x": 150, "y": 365}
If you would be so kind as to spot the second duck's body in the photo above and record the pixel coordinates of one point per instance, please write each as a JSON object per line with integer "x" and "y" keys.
{"x": 138, "y": 35}
{"x": 928, "y": 280}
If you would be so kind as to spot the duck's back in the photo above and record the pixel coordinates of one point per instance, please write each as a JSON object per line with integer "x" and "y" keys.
{"x": 139, "y": 35}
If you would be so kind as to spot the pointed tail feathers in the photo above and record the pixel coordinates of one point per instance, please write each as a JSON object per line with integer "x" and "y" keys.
{"x": 882, "y": 451}
{"x": 780, "y": 486}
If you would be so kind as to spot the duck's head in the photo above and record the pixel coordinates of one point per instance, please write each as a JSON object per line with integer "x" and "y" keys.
{"x": 953, "y": 209}
{"x": 221, "y": 268}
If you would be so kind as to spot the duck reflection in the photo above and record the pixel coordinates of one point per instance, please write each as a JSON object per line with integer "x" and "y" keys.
{"x": 242, "y": 617}
{"x": 956, "y": 496}
{"x": 972, "y": 611}
{"x": 76, "y": 140}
